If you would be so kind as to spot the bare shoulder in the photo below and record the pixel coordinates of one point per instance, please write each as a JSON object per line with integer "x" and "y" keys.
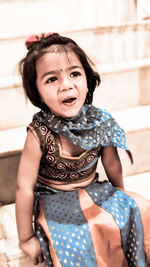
{"x": 29, "y": 162}
{"x": 32, "y": 144}
{"x": 31, "y": 153}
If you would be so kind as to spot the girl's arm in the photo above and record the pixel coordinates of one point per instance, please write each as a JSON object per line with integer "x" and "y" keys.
{"x": 27, "y": 176}
{"x": 112, "y": 165}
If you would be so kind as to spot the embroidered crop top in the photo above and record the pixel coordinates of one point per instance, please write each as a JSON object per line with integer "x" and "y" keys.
{"x": 57, "y": 168}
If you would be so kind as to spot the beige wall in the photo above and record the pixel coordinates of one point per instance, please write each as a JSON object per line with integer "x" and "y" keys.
{"x": 24, "y": 17}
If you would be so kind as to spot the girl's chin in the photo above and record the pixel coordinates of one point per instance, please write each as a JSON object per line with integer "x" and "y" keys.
{"x": 68, "y": 115}
{"x": 71, "y": 113}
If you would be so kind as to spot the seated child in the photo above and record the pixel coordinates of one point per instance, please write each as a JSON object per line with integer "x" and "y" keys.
{"x": 79, "y": 221}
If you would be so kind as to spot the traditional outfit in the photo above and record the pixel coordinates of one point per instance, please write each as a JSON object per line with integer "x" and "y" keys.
{"x": 92, "y": 224}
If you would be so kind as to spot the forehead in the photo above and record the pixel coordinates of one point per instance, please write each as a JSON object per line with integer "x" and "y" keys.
{"x": 55, "y": 57}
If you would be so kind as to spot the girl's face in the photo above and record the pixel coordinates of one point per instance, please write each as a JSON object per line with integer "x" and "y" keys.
{"x": 61, "y": 82}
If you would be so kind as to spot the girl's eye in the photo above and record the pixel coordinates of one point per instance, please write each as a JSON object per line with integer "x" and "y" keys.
{"x": 51, "y": 79}
{"x": 75, "y": 74}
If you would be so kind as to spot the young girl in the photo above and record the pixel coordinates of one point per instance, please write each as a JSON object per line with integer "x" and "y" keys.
{"x": 79, "y": 221}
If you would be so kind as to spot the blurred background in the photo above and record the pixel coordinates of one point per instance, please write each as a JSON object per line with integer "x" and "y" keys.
{"x": 116, "y": 36}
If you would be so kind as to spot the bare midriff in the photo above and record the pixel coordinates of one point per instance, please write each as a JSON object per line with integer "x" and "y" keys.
{"x": 67, "y": 186}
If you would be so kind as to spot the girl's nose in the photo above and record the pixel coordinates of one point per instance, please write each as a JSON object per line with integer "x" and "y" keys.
{"x": 66, "y": 84}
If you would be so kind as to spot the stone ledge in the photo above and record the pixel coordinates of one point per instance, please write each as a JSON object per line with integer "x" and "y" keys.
{"x": 139, "y": 183}
{"x": 12, "y": 140}
{"x": 114, "y": 27}
{"x": 10, "y": 253}
{"x": 9, "y": 82}
{"x": 106, "y": 44}
{"x": 123, "y": 66}
{"x": 133, "y": 119}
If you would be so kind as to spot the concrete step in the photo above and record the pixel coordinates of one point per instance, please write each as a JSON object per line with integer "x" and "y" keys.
{"x": 10, "y": 253}
{"x": 139, "y": 183}
{"x": 105, "y": 44}
{"x": 115, "y": 43}
{"x": 123, "y": 85}
{"x": 16, "y": 110}
{"x": 135, "y": 122}
{"x": 27, "y": 16}
{"x": 11, "y": 144}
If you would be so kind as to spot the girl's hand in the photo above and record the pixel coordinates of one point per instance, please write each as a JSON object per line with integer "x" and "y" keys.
{"x": 33, "y": 250}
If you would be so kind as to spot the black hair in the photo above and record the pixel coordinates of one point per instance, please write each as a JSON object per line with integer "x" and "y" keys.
{"x": 36, "y": 49}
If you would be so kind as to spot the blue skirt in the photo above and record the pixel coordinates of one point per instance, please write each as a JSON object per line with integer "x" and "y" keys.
{"x": 95, "y": 226}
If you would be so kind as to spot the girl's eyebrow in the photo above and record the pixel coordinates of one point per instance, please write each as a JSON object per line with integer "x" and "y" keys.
{"x": 74, "y": 67}
{"x": 56, "y": 71}
{"x": 48, "y": 73}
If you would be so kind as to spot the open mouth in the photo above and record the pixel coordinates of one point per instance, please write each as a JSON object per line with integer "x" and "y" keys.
{"x": 69, "y": 100}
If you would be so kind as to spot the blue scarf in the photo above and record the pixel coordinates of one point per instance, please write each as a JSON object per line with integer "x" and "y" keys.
{"x": 90, "y": 128}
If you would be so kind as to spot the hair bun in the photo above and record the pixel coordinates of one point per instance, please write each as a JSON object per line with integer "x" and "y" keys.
{"x": 33, "y": 39}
